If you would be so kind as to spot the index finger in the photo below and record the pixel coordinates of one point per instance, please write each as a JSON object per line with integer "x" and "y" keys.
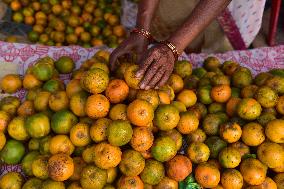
{"x": 144, "y": 64}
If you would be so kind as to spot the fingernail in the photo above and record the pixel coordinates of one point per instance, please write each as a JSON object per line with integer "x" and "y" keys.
{"x": 138, "y": 74}
{"x": 156, "y": 87}
{"x": 142, "y": 86}
{"x": 147, "y": 88}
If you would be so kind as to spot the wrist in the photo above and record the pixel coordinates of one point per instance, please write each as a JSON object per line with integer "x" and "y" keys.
{"x": 143, "y": 33}
{"x": 172, "y": 47}
{"x": 177, "y": 43}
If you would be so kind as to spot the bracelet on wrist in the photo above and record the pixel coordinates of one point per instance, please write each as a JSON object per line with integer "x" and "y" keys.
{"x": 172, "y": 47}
{"x": 144, "y": 33}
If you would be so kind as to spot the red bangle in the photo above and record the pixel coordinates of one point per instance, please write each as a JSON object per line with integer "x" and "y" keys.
{"x": 143, "y": 32}
{"x": 172, "y": 47}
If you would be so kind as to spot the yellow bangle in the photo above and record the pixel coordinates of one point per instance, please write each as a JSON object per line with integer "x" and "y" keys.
{"x": 172, "y": 47}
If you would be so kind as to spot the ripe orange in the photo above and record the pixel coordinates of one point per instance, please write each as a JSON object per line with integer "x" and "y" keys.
{"x": 150, "y": 96}
{"x": 119, "y": 31}
{"x": 221, "y": 93}
{"x": 232, "y": 178}
{"x": 58, "y": 101}
{"x": 164, "y": 97}
{"x": 130, "y": 78}
{"x": 98, "y": 129}
{"x": 130, "y": 182}
{"x": 274, "y": 130}
{"x": 271, "y": 154}
{"x": 253, "y": 134}
{"x": 188, "y": 123}
{"x": 11, "y": 83}
{"x": 97, "y": 106}
{"x": 132, "y": 163}
{"x": 179, "y": 167}
{"x": 12, "y": 180}
{"x": 187, "y": 97}
{"x": 118, "y": 112}
{"x": 106, "y": 155}
{"x": 230, "y": 132}
{"x": 231, "y": 106}
{"x": 73, "y": 87}
{"x": 140, "y": 112}
{"x": 280, "y": 105}
{"x": 2, "y": 140}
{"x": 79, "y": 164}
{"x": 241, "y": 147}
{"x": 117, "y": 91}
{"x": 207, "y": 175}
{"x": 78, "y": 102}
{"x": 253, "y": 171}
{"x": 249, "y": 109}
{"x": 176, "y": 83}
{"x": 142, "y": 139}
{"x": 267, "y": 184}
{"x": 229, "y": 157}
{"x": 80, "y": 135}
{"x": 30, "y": 82}
{"x": 60, "y": 167}
{"x": 4, "y": 120}
{"x": 26, "y": 109}
{"x": 61, "y": 144}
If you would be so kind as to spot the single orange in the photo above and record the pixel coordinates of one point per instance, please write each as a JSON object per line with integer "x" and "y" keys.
{"x": 207, "y": 175}
{"x": 140, "y": 112}
{"x": 117, "y": 91}
{"x": 60, "y": 167}
{"x": 97, "y": 106}
{"x": 187, "y": 97}
{"x": 142, "y": 139}
{"x": 221, "y": 93}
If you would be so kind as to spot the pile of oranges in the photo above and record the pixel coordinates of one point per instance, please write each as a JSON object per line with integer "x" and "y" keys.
{"x": 215, "y": 126}
{"x": 82, "y": 22}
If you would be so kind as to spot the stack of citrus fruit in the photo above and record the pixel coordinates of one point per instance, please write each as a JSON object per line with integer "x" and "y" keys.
{"x": 216, "y": 123}
{"x": 82, "y": 22}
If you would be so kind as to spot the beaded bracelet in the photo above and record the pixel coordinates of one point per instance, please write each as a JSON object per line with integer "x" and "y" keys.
{"x": 144, "y": 33}
{"x": 172, "y": 47}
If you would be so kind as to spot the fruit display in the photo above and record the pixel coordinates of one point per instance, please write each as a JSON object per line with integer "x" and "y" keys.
{"x": 81, "y": 22}
{"x": 206, "y": 128}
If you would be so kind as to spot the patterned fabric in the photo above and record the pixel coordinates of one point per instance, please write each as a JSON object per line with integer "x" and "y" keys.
{"x": 248, "y": 16}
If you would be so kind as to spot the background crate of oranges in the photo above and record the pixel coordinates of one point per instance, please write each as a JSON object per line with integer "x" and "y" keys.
{"x": 83, "y": 22}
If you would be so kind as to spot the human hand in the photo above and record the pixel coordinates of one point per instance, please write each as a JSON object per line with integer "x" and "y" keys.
{"x": 156, "y": 66}
{"x": 135, "y": 43}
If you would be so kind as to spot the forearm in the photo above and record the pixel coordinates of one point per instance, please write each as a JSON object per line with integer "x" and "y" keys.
{"x": 146, "y": 12}
{"x": 199, "y": 19}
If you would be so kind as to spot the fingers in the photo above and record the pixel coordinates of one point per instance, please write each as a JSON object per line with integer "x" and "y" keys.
{"x": 163, "y": 80}
{"x": 115, "y": 55}
{"x": 144, "y": 64}
{"x": 158, "y": 76}
{"x": 150, "y": 74}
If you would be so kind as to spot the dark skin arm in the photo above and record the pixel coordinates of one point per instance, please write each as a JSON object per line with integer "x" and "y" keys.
{"x": 157, "y": 63}
{"x": 137, "y": 42}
